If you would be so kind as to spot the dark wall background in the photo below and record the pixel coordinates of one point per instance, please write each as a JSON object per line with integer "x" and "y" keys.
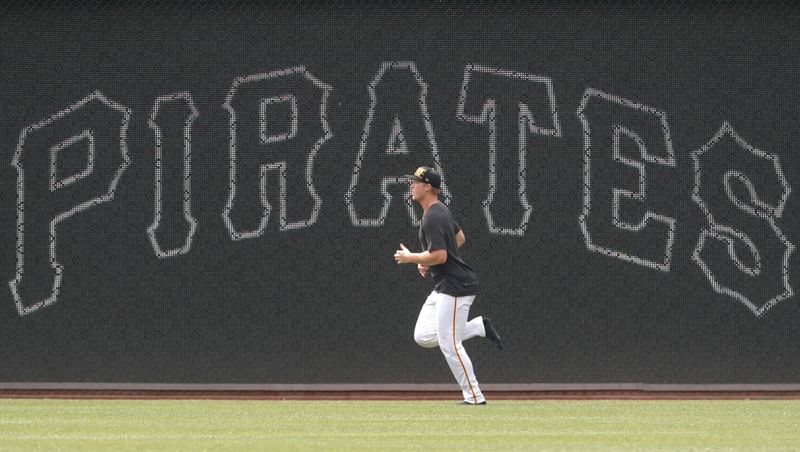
{"x": 326, "y": 303}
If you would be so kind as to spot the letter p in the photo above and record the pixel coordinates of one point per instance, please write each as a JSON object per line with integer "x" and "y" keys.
{"x": 66, "y": 164}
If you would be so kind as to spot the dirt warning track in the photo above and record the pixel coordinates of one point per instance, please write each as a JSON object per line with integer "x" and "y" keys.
{"x": 396, "y": 395}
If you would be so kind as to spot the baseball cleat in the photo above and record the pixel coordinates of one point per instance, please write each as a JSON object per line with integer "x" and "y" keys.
{"x": 491, "y": 333}
{"x": 469, "y": 403}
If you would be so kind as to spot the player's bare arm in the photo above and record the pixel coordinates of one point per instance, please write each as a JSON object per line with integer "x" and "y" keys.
{"x": 460, "y": 238}
{"x": 425, "y": 258}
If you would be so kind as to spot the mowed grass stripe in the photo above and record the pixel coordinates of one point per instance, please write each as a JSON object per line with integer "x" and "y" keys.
{"x": 400, "y": 425}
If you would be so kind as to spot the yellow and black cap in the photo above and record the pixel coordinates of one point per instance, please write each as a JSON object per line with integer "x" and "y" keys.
{"x": 427, "y": 175}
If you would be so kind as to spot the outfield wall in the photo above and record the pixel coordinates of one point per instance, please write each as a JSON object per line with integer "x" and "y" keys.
{"x": 210, "y": 195}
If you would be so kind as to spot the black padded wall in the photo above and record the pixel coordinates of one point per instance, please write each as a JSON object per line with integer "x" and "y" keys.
{"x": 208, "y": 193}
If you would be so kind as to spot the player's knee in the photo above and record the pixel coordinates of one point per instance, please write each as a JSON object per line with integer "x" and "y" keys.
{"x": 425, "y": 340}
{"x": 446, "y": 343}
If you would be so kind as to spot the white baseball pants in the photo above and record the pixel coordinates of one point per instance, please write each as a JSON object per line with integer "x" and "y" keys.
{"x": 443, "y": 322}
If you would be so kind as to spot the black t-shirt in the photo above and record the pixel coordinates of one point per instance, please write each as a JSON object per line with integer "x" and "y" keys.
{"x": 438, "y": 232}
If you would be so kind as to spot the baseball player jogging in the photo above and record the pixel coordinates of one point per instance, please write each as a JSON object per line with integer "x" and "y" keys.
{"x": 443, "y": 319}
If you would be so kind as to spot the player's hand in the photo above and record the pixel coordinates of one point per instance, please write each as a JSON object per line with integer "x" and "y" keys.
{"x": 402, "y": 255}
{"x": 423, "y": 270}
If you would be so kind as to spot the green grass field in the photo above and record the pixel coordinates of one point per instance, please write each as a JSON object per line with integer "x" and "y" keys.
{"x": 27, "y": 424}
